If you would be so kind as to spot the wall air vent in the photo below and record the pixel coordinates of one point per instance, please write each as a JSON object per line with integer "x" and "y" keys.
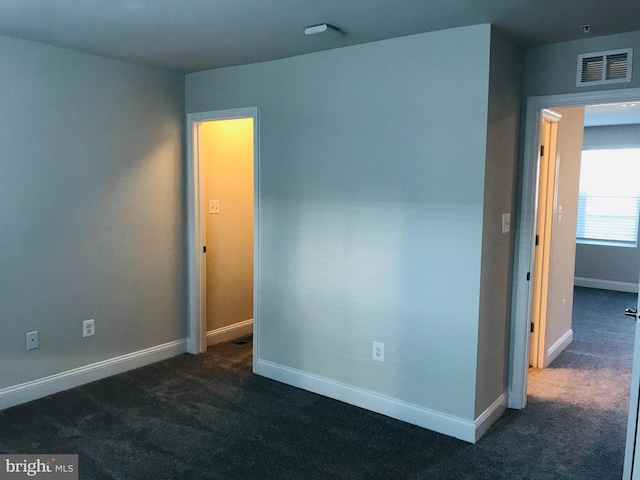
{"x": 599, "y": 68}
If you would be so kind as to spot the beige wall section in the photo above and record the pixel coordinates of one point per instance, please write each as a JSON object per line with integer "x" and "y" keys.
{"x": 544, "y": 225}
{"x": 505, "y": 90}
{"x": 563, "y": 247}
{"x": 226, "y": 148}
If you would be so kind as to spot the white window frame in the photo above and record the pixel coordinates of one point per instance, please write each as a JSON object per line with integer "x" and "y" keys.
{"x": 616, "y": 242}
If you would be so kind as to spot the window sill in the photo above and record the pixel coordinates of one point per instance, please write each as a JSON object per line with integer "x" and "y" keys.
{"x": 606, "y": 243}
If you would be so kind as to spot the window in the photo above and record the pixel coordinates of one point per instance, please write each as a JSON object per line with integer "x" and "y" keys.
{"x": 609, "y": 198}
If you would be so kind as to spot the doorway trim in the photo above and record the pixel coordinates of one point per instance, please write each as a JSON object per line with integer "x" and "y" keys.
{"x": 525, "y": 227}
{"x": 547, "y": 188}
{"x": 196, "y": 295}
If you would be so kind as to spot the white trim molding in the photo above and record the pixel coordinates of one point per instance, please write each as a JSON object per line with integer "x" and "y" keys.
{"x": 196, "y": 285}
{"x": 551, "y": 116}
{"x": 558, "y": 347}
{"x": 490, "y": 415}
{"x": 446, "y": 424}
{"x": 230, "y": 332}
{"x": 606, "y": 284}
{"x": 25, "y": 392}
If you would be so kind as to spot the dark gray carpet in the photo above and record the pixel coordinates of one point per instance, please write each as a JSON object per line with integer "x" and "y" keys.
{"x": 207, "y": 416}
{"x": 574, "y": 426}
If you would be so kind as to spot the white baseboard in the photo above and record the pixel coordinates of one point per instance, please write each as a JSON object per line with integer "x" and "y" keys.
{"x": 606, "y": 284}
{"x": 231, "y": 332}
{"x": 557, "y": 348}
{"x": 25, "y": 392}
{"x": 490, "y": 415}
{"x": 466, "y": 430}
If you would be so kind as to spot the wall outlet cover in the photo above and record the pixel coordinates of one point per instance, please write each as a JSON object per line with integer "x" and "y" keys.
{"x": 378, "y": 351}
{"x": 88, "y": 328}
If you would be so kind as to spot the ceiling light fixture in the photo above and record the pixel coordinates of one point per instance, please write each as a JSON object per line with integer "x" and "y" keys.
{"x": 323, "y": 29}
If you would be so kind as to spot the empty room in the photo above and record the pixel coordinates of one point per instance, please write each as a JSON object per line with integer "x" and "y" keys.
{"x": 297, "y": 239}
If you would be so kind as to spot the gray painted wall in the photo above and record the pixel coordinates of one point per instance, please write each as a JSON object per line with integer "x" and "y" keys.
{"x": 612, "y": 136}
{"x": 372, "y": 195}
{"x": 620, "y": 264}
{"x": 505, "y": 93}
{"x": 551, "y": 69}
{"x": 92, "y": 208}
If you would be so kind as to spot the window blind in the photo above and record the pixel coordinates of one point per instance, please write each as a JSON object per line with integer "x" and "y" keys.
{"x": 609, "y": 197}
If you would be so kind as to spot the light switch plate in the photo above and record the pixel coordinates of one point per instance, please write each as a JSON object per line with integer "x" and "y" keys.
{"x": 32, "y": 340}
{"x": 506, "y": 222}
{"x": 214, "y": 206}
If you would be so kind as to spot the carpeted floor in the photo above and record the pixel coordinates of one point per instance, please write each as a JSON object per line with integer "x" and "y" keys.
{"x": 574, "y": 426}
{"x": 207, "y": 416}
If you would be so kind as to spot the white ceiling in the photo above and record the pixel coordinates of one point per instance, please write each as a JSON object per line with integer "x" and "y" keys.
{"x": 192, "y": 35}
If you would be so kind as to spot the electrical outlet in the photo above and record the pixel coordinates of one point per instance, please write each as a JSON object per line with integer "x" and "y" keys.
{"x": 378, "y": 351}
{"x": 32, "y": 340}
{"x": 88, "y": 328}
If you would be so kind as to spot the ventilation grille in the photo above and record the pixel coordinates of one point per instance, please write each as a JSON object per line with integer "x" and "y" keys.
{"x": 599, "y": 68}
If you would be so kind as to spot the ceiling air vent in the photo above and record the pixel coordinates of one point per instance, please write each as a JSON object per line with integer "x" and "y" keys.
{"x": 600, "y": 68}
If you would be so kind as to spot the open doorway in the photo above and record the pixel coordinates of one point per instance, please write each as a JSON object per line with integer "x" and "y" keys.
{"x": 586, "y": 347}
{"x": 526, "y": 231}
{"x": 226, "y": 158}
{"x": 223, "y": 226}
{"x": 526, "y": 228}
{"x": 586, "y": 156}
{"x": 586, "y": 211}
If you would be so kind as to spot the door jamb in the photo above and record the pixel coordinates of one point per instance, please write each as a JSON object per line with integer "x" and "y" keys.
{"x": 525, "y": 228}
{"x": 197, "y": 325}
{"x": 545, "y": 237}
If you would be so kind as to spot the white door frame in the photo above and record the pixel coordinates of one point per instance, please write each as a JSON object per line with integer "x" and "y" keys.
{"x": 542, "y": 254}
{"x": 525, "y": 228}
{"x": 197, "y": 320}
